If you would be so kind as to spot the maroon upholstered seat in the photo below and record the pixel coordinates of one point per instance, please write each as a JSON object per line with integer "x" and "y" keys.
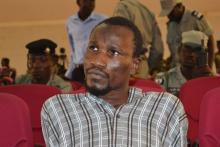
{"x": 15, "y": 128}
{"x": 191, "y": 94}
{"x": 34, "y": 95}
{"x": 209, "y": 120}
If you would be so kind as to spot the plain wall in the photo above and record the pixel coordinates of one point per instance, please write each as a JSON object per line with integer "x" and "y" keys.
{"x": 15, "y": 35}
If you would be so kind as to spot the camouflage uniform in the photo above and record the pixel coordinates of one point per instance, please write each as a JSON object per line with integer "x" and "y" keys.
{"x": 56, "y": 81}
{"x": 171, "y": 80}
{"x": 191, "y": 20}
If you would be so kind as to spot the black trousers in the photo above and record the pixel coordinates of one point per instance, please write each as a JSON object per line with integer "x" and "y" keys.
{"x": 78, "y": 74}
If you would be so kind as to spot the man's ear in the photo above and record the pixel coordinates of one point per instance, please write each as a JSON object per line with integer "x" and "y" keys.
{"x": 135, "y": 65}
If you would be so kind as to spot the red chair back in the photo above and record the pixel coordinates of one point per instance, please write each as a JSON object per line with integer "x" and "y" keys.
{"x": 76, "y": 85}
{"x": 209, "y": 120}
{"x": 34, "y": 95}
{"x": 15, "y": 128}
{"x": 191, "y": 94}
{"x": 146, "y": 85}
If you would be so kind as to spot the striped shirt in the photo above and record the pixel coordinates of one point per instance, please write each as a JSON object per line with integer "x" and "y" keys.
{"x": 149, "y": 119}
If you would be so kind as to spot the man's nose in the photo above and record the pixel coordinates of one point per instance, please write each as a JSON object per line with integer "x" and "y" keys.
{"x": 100, "y": 59}
{"x": 37, "y": 63}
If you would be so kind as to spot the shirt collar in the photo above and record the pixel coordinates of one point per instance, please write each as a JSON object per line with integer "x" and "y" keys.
{"x": 134, "y": 93}
{"x": 185, "y": 16}
{"x": 91, "y": 17}
{"x": 182, "y": 78}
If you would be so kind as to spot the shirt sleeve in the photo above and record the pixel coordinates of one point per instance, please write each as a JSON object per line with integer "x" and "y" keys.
{"x": 157, "y": 49}
{"x": 204, "y": 26}
{"x": 121, "y": 10}
{"x": 70, "y": 36}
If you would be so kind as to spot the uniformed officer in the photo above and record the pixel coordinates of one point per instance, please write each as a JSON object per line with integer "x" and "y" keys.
{"x": 146, "y": 22}
{"x": 180, "y": 20}
{"x": 193, "y": 62}
{"x": 41, "y": 65}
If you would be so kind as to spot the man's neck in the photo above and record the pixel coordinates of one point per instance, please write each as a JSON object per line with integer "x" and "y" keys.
{"x": 187, "y": 72}
{"x": 116, "y": 98}
{"x": 83, "y": 16}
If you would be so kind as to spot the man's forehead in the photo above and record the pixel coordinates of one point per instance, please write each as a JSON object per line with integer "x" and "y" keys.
{"x": 111, "y": 29}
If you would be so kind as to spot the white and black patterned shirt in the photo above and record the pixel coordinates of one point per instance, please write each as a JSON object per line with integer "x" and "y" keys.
{"x": 149, "y": 119}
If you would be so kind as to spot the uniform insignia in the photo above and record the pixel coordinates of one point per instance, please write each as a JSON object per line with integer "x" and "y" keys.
{"x": 47, "y": 50}
{"x": 197, "y": 14}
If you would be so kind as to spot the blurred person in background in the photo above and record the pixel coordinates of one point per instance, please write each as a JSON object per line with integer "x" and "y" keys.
{"x": 78, "y": 28}
{"x": 42, "y": 67}
{"x": 193, "y": 62}
{"x": 7, "y": 74}
{"x": 181, "y": 20}
{"x": 146, "y": 22}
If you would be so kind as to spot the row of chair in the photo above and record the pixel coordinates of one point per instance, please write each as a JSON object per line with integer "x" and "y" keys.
{"x": 34, "y": 95}
{"x": 191, "y": 95}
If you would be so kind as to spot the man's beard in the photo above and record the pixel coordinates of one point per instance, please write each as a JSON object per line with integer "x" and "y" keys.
{"x": 98, "y": 92}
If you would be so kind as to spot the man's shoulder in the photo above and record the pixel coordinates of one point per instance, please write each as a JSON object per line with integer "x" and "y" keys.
{"x": 72, "y": 17}
{"x": 161, "y": 98}
{"x": 196, "y": 14}
{"x": 60, "y": 83}
{"x": 193, "y": 15}
{"x": 170, "y": 72}
{"x": 65, "y": 99}
{"x": 99, "y": 15}
{"x": 160, "y": 77}
{"x": 26, "y": 78}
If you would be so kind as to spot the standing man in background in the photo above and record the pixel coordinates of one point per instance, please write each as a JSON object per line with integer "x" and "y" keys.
{"x": 79, "y": 27}
{"x": 146, "y": 22}
{"x": 181, "y": 20}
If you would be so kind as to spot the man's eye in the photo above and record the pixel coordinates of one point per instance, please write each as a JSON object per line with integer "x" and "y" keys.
{"x": 114, "y": 52}
{"x": 93, "y": 48}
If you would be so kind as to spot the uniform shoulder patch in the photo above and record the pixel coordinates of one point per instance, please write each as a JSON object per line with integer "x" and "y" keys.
{"x": 197, "y": 14}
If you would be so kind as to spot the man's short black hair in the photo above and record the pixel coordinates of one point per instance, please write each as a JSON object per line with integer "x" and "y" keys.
{"x": 121, "y": 21}
{"x": 5, "y": 61}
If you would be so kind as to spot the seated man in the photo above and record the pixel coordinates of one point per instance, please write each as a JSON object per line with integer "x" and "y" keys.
{"x": 41, "y": 65}
{"x": 111, "y": 113}
{"x": 193, "y": 62}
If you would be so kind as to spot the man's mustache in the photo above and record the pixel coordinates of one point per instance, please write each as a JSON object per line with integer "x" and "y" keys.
{"x": 97, "y": 71}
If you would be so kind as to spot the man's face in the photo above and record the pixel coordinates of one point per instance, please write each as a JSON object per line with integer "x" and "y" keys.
{"x": 40, "y": 67}
{"x": 188, "y": 57}
{"x": 218, "y": 45}
{"x": 86, "y": 6}
{"x": 109, "y": 59}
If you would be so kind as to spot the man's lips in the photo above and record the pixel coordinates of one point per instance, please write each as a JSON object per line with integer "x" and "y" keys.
{"x": 96, "y": 73}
